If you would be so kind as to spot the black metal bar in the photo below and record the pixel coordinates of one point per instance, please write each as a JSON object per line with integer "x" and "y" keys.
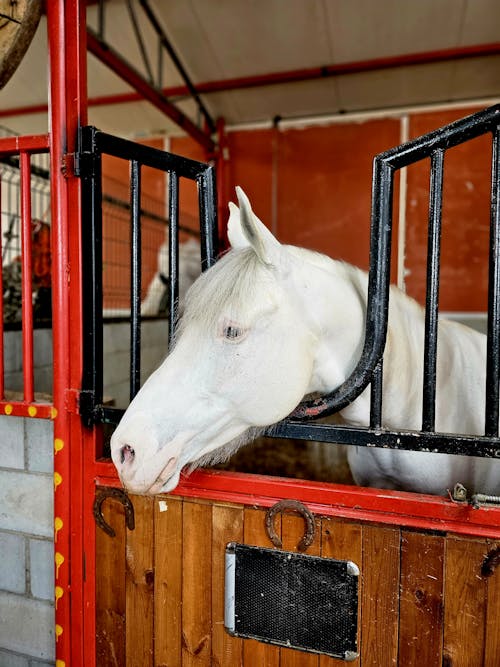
{"x": 140, "y": 41}
{"x": 444, "y": 443}
{"x": 493, "y": 340}
{"x": 381, "y": 228}
{"x": 159, "y": 82}
{"x": 93, "y": 144}
{"x": 135, "y": 278}
{"x": 207, "y": 197}
{"x": 101, "y": 19}
{"x": 92, "y": 299}
{"x": 455, "y": 133}
{"x": 148, "y": 156}
{"x": 178, "y": 64}
{"x": 376, "y": 396}
{"x": 173, "y": 251}
{"x": 377, "y": 302}
{"x": 432, "y": 295}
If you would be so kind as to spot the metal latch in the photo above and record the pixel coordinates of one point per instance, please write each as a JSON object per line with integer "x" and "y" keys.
{"x": 477, "y": 500}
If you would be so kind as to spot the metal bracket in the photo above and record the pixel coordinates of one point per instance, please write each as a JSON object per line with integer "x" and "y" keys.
{"x": 477, "y": 500}
{"x": 294, "y": 507}
{"x": 121, "y": 496}
{"x": 84, "y": 164}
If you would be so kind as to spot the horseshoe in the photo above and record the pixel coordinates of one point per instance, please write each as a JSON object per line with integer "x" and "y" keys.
{"x": 294, "y": 507}
{"x": 121, "y": 496}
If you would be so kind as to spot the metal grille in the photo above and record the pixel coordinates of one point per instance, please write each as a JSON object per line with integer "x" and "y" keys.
{"x": 294, "y": 600}
{"x": 431, "y": 146}
{"x": 93, "y": 144}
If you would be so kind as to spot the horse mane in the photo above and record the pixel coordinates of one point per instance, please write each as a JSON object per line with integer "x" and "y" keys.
{"x": 224, "y": 288}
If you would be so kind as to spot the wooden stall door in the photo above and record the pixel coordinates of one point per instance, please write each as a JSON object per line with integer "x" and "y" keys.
{"x": 423, "y": 600}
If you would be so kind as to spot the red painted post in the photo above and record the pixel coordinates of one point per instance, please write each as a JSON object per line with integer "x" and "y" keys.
{"x": 67, "y": 58}
{"x": 26, "y": 277}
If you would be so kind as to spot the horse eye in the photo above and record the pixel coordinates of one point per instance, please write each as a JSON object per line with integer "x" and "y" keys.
{"x": 231, "y": 332}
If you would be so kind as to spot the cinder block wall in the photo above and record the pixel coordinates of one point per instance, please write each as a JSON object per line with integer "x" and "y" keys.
{"x": 26, "y": 543}
{"x": 26, "y": 491}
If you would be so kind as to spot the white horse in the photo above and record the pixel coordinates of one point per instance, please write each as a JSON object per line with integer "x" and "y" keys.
{"x": 189, "y": 270}
{"x": 269, "y": 324}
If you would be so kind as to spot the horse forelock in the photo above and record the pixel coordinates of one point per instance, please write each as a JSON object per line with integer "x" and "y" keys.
{"x": 228, "y": 288}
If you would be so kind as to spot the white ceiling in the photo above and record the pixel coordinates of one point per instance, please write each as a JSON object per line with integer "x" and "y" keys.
{"x": 221, "y": 39}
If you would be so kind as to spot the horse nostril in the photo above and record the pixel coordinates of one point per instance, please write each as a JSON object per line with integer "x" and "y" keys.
{"x": 127, "y": 454}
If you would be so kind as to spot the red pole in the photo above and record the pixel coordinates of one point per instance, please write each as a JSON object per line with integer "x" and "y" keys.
{"x": 26, "y": 277}
{"x": 67, "y": 57}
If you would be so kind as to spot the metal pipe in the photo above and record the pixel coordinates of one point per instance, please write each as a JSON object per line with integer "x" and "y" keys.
{"x": 493, "y": 340}
{"x": 193, "y": 92}
{"x": 432, "y": 294}
{"x": 135, "y": 278}
{"x": 26, "y": 277}
{"x": 173, "y": 252}
{"x": 120, "y": 67}
{"x": 291, "y": 76}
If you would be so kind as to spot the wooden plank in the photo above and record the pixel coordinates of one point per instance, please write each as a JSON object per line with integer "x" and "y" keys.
{"x": 227, "y": 526}
{"x": 168, "y": 580}
{"x": 342, "y": 541}
{"x": 380, "y": 596}
{"x": 110, "y": 588}
{"x": 465, "y": 603}
{"x": 257, "y": 653}
{"x": 196, "y": 584}
{"x": 140, "y": 585}
{"x": 421, "y": 599}
{"x": 292, "y": 531}
{"x": 492, "y": 644}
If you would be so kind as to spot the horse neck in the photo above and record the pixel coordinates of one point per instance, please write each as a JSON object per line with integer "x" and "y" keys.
{"x": 331, "y": 295}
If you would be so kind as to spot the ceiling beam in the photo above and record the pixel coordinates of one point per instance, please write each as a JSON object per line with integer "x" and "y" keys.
{"x": 275, "y": 78}
{"x": 109, "y": 57}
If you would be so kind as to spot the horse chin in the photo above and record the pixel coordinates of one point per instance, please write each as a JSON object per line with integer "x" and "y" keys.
{"x": 165, "y": 487}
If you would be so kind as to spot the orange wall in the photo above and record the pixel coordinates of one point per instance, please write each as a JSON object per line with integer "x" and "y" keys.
{"x": 312, "y": 187}
{"x": 465, "y": 226}
{"x": 319, "y": 177}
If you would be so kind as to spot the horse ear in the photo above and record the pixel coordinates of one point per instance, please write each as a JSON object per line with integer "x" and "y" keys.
{"x": 257, "y": 235}
{"x": 235, "y": 234}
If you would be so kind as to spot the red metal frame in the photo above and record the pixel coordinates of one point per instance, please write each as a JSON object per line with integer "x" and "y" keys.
{"x": 412, "y": 510}
{"x": 24, "y": 146}
{"x": 68, "y": 109}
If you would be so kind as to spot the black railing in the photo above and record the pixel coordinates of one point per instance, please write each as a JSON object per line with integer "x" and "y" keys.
{"x": 369, "y": 368}
{"x": 88, "y": 165}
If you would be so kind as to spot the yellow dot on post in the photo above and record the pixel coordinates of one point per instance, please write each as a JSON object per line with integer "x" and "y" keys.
{"x": 8, "y": 409}
{"x": 32, "y": 411}
{"x": 53, "y": 412}
{"x": 58, "y": 524}
{"x": 57, "y": 480}
{"x": 58, "y": 593}
{"x": 59, "y": 631}
{"x": 59, "y": 559}
{"x": 58, "y": 445}
{"x": 60, "y": 663}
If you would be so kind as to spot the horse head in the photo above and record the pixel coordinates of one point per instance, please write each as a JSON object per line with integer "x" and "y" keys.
{"x": 242, "y": 359}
